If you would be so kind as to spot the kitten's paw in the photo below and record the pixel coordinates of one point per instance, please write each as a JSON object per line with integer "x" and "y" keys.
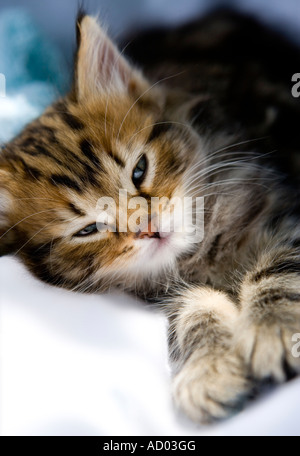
{"x": 210, "y": 387}
{"x": 268, "y": 351}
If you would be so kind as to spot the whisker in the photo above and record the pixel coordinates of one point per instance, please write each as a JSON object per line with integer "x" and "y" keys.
{"x": 25, "y": 218}
{"x": 36, "y": 198}
{"x": 241, "y": 143}
{"x": 39, "y": 231}
{"x": 226, "y": 165}
{"x": 243, "y": 155}
{"x": 45, "y": 226}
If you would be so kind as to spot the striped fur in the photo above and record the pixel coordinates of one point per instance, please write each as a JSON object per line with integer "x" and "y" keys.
{"x": 207, "y": 117}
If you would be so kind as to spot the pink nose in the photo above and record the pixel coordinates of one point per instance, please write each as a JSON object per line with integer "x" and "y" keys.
{"x": 148, "y": 233}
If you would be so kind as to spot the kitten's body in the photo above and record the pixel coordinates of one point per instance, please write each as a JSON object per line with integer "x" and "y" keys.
{"x": 218, "y": 121}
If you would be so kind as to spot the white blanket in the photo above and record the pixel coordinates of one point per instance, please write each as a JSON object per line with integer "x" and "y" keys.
{"x": 73, "y": 364}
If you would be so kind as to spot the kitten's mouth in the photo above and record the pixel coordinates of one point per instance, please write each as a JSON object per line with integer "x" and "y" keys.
{"x": 157, "y": 252}
{"x": 158, "y": 242}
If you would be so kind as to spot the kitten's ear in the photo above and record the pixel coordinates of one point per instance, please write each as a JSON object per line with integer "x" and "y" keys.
{"x": 100, "y": 67}
{"x": 6, "y": 233}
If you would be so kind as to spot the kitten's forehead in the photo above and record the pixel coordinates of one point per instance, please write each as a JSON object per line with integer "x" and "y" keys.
{"x": 82, "y": 141}
{"x": 103, "y": 132}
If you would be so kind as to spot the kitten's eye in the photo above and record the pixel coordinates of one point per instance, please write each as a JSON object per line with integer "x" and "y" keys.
{"x": 87, "y": 231}
{"x": 139, "y": 171}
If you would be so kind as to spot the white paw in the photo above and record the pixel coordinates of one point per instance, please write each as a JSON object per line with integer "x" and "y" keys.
{"x": 211, "y": 387}
{"x": 268, "y": 350}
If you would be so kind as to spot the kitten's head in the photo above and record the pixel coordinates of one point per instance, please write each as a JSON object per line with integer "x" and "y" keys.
{"x": 114, "y": 131}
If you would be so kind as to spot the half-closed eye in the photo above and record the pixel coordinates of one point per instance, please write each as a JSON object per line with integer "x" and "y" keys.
{"x": 87, "y": 231}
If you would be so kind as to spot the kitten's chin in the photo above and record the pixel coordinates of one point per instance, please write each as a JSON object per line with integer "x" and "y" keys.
{"x": 155, "y": 255}
{"x": 151, "y": 262}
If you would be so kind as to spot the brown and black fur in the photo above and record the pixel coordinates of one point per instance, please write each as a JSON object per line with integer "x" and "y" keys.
{"x": 245, "y": 71}
{"x": 211, "y": 107}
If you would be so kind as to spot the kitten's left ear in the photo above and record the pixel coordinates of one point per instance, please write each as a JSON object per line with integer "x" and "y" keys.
{"x": 101, "y": 68}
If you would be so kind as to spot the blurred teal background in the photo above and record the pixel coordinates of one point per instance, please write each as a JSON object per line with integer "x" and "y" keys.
{"x": 57, "y": 17}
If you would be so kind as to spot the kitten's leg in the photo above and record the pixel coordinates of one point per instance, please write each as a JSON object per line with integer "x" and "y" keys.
{"x": 270, "y": 315}
{"x": 209, "y": 377}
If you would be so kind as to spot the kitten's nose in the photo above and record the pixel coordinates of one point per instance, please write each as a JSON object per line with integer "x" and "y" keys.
{"x": 148, "y": 233}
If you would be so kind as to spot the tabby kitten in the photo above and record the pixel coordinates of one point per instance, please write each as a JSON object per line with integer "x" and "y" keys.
{"x": 203, "y": 119}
